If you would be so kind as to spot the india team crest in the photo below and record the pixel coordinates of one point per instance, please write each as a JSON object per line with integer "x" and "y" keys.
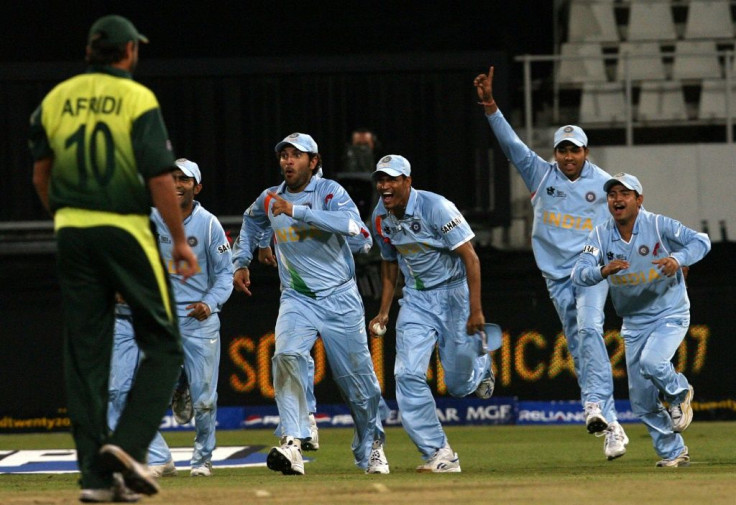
{"x": 590, "y": 196}
{"x": 643, "y": 250}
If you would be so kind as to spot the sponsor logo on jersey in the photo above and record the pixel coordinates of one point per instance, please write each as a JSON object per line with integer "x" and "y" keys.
{"x": 447, "y": 227}
{"x": 408, "y": 249}
{"x": 164, "y": 239}
{"x": 590, "y": 249}
{"x": 328, "y": 198}
{"x": 222, "y": 249}
{"x": 609, "y": 255}
{"x": 192, "y": 241}
{"x": 635, "y": 278}
{"x": 655, "y": 251}
{"x": 295, "y": 234}
{"x": 552, "y": 191}
{"x": 567, "y": 221}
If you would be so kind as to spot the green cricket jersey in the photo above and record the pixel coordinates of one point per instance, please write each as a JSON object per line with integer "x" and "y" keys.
{"x": 106, "y": 136}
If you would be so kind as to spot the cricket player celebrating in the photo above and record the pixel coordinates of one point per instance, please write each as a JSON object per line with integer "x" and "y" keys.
{"x": 310, "y": 218}
{"x": 198, "y": 303}
{"x": 642, "y": 254}
{"x": 568, "y": 202}
{"x": 426, "y": 237}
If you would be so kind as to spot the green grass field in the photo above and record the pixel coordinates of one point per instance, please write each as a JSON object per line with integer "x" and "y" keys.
{"x": 500, "y": 465}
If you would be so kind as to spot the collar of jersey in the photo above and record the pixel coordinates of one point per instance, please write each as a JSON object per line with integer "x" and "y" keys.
{"x": 635, "y": 231}
{"x": 104, "y": 69}
{"x": 311, "y": 186}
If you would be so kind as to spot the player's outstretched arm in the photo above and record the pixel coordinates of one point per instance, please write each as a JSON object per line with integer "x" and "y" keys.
{"x": 484, "y": 87}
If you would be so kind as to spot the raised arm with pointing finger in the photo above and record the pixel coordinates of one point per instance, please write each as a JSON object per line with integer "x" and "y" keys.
{"x": 568, "y": 201}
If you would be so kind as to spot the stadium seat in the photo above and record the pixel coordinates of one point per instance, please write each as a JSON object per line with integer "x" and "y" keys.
{"x": 696, "y": 59}
{"x": 602, "y": 103}
{"x": 709, "y": 19}
{"x": 581, "y": 70}
{"x": 651, "y": 20}
{"x": 644, "y": 61}
{"x": 713, "y": 100}
{"x": 591, "y": 22}
{"x": 661, "y": 101}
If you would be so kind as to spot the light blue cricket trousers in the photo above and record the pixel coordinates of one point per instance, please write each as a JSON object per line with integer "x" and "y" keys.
{"x": 340, "y": 320}
{"x": 435, "y": 316}
{"x": 580, "y": 309}
{"x": 649, "y": 351}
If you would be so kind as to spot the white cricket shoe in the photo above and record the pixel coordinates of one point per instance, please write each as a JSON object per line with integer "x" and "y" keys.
{"x": 202, "y": 471}
{"x": 614, "y": 445}
{"x": 443, "y": 460}
{"x": 682, "y": 414}
{"x": 378, "y": 462}
{"x": 485, "y": 389}
{"x": 117, "y": 493}
{"x": 682, "y": 459}
{"x": 168, "y": 469}
{"x": 594, "y": 420}
{"x": 286, "y": 459}
{"x": 311, "y": 444}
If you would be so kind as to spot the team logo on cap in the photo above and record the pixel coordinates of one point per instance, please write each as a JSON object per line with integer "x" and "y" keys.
{"x": 643, "y": 250}
{"x": 385, "y": 159}
{"x": 568, "y": 129}
{"x": 590, "y": 196}
{"x": 293, "y": 136}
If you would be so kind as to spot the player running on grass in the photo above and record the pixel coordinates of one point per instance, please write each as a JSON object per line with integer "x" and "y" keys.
{"x": 198, "y": 303}
{"x": 568, "y": 202}
{"x": 425, "y": 236}
{"x": 641, "y": 255}
{"x": 311, "y": 218}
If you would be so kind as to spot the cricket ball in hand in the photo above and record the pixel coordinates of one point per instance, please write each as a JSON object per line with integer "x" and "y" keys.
{"x": 378, "y": 329}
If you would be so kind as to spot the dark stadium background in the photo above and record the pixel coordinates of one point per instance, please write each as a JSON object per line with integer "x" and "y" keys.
{"x": 233, "y": 78}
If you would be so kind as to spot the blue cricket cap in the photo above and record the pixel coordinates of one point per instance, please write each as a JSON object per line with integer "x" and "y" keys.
{"x": 571, "y": 133}
{"x": 393, "y": 165}
{"x": 626, "y": 180}
{"x": 190, "y": 169}
{"x": 305, "y": 143}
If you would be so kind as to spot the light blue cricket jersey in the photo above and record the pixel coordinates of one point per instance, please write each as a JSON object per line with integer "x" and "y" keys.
{"x": 423, "y": 240}
{"x": 641, "y": 294}
{"x": 213, "y": 281}
{"x": 312, "y": 247}
{"x": 565, "y": 211}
